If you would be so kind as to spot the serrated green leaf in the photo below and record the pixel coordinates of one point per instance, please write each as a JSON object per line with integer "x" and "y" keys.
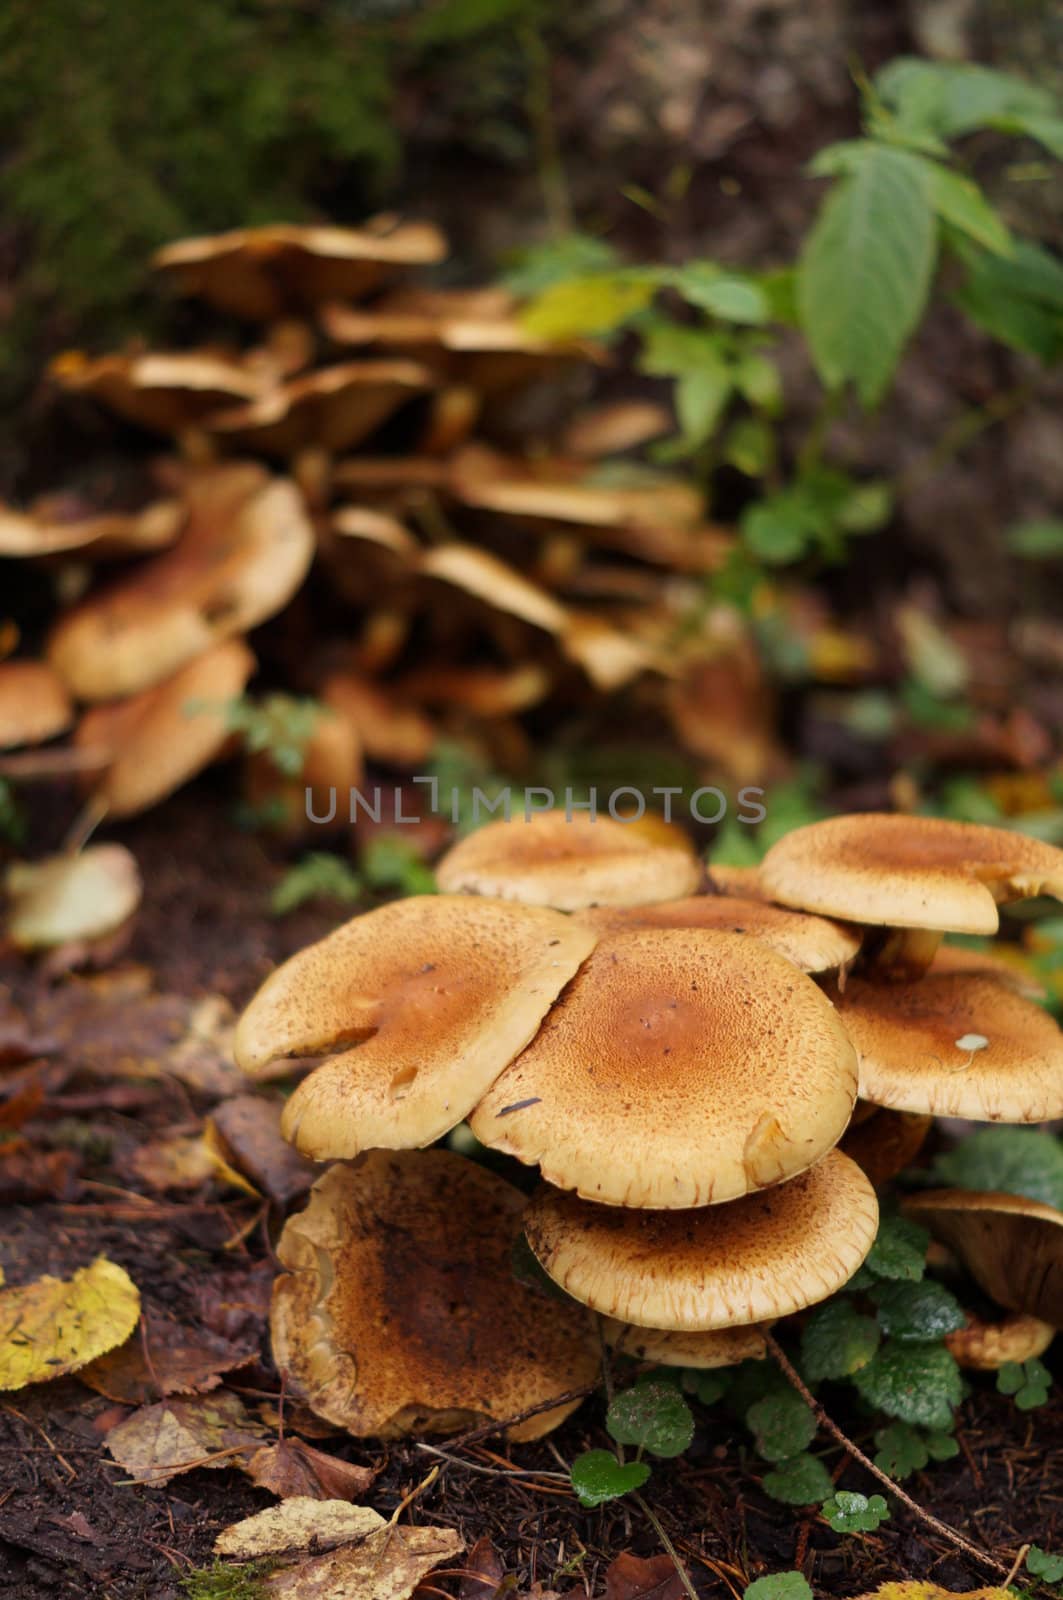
{"x": 865, "y": 271}
{"x": 597, "y": 1476}
{"x": 1022, "y": 1161}
{"x": 855, "y": 1513}
{"x": 581, "y": 307}
{"x": 836, "y": 1341}
{"x": 782, "y": 1425}
{"x": 723, "y": 294}
{"x": 917, "y": 1312}
{"x": 899, "y": 1250}
{"x": 960, "y": 202}
{"x": 1042, "y": 1563}
{"x": 653, "y": 1415}
{"x": 779, "y": 1586}
{"x": 901, "y": 1450}
{"x": 917, "y": 1383}
{"x": 942, "y": 1446}
{"x": 801, "y": 1481}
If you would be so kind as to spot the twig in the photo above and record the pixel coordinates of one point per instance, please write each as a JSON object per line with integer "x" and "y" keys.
{"x": 493, "y": 1472}
{"x": 1015, "y": 1565}
{"x": 474, "y": 1435}
{"x": 790, "y": 1372}
{"x": 655, "y": 1522}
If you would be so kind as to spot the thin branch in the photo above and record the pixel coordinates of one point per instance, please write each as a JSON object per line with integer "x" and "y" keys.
{"x": 474, "y": 1435}
{"x": 655, "y": 1522}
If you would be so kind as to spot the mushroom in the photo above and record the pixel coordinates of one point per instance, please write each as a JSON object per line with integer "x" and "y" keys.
{"x": 399, "y": 1312}
{"x": 437, "y": 993}
{"x": 954, "y": 1045}
{"x": 983, "y": 1346}
{"x": 677, "y": 1069}
{"x": 388, "y": 728}
{"x": 1007, "y": 965}
{"x": 70, "y": 899}
{"x": 34, "y": 704}
{"x": 572, "y": 861}
{"x": 166, "y": 393}
{"x": 742, "y": 882}
{"x": 59, "y": 523}
{"x": 1011, "y": 1246}
{"x": 728, "y": 1266}
{"x": 812, "y": 943}
{"x": 606, "y": 430}
{"x": 722, "y": 1347}
{"x": 331, "y": 409}
{"x": 883, "y": 1143}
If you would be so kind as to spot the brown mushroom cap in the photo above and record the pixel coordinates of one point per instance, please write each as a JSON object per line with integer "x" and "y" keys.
{"x": 885, "y": 1142}
{"x": 166, "y": 393}
{"x": 1006, "y": 964}
{"x": 1011, "y": 1246}
{"x": 723, "y": 1347}
{"x": 911, "y": 1041}
{"x": 812, "y": 943}
{"x": 387, "y": 729}
{"x": 400, "y": 1313}
{"x": 330, "y": 409}
{"x": 760, "y": 1257}
{"x": 678, "y": 1069}
{"x": 987, "y": 1346}
{"x": 571, "y": 862}
{"x": 742, "y": 882}
{"x": 71, "y": 898}
{"x": 58, "y": 523}
{"x": 909, "y": 872}
{"x": 34, "y": 704}
{"x": 443, "y": 990}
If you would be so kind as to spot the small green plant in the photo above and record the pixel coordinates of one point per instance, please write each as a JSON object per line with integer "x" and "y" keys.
{"x": 779, "y": 1586}
{"x": 221, "y": 1581}
{"x": 279, "y": 726}
{"x": 1044, "y": 1565}
{"x": 1028, "y": 1383}
{"x": 390, "y": 864}
{"x": 318, "y": 876}
{"x": 855, "y": 1513}
{"x": 597, "y": 1476}
{"x": 1022, "y": 1161}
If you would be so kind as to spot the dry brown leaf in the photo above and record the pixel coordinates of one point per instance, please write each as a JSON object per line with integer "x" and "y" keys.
{"x": 294, "y": 1468}
{"x": 301, "y": 1523}
{"x": 176, "y": 1360}
{"x": 181, "y": 1162}
{"x": 387, "y": 1566}
{"x": 56, "y": 1325}
{"x": 28, "y": 1174}
{"x": 249, "y": 1127}
{"x": 629, "y": 1577}
{"x": 158, "y": 1442}
{"x": 484, "y": 1572}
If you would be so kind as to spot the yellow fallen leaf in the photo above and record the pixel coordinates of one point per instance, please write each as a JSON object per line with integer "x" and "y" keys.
{"x": 388, "y": 1565}
{"x": 914, "y": 1590}
{"x": 300, "y": 1523}
{"x": 157, "y": 1442}
{"x": 56, "y": 1325}
{"x": 181, "y": 1161}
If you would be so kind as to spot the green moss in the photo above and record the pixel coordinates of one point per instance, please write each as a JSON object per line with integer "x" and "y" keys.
{"x": 220, "y": 1581}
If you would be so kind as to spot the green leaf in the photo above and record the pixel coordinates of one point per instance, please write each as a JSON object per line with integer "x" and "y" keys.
{"x": 580, "y": 307}
{"x": 899, "y": 1250}
{"x": 942, "y": 1446}
{"x": 318, "y": 876}
{"x": 901, "y": 1450}
{"x": 779, "y": 1586}
{"x": 708, "y": 1385}
{"x": 1046, "y": 130}
{"x": 757, "y": 380}
{"x": 955, "y": 98}
{"x": 726, "y": 295}
{"x": 1022, "y": 1161}
{"x": 1028, "y": 1383}
{"x": 653, "y": 1415}
{"x": 576, "y": 255}
{"x": 390, "y": 862}
{"x": 917, "y": 1383}
{"x": 866, "y": 507}
{"x": 750, "y": 446}
{"x": 801, "y": 1481}
{"x": 782, "y": 1425}
{"x": 1018, "y": 299}
{"x": 1042, "y": 1563}
{"x": 960, "y": 202}
{"x": 781, "y": 528}
{"x": 1036, "y": 541}
{"x": 855, "y": 1513}
{"x": 836, "y": 1341}
{"x": 597, "y": 1476}
{"x": 669, "y": 350}
{"x": 700, "y": 400}
{"x": 865, "y": 271}
{"x": 916, "y": 1312}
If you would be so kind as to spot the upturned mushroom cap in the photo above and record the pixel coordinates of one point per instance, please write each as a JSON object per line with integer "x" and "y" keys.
{"x": 678, "y": 1069}
{"x": 71, "y": 898}
{"x": 58, "y": 523}
{"x": 571, "y": 862}
{"x": 331, "y": 409}
{"x": 399, "y": 1312}
{"x": 812, "y": 943}
{"x": 986, "y": 1346}
{"x": 1011, "y": 1246}
{"x": 246, "y": 549}
{"x": 885, "y": 1142}
{"x": 909, "y": 872}
{"x": 761, "y": 1257}
{"x": 34, "y": 704}
{"x": 955, "y": 1045}
{"x": 165, "y": 393}
{"x": 723, "y": 1347}
{"x": 442, "y": 992}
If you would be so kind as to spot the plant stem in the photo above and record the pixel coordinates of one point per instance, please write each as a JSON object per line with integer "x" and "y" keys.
{"x": 655, "y": 1523}
{"x": 960, "y": 432}
{"x": 540, "y": 109}
{"x": 811, "y": 451}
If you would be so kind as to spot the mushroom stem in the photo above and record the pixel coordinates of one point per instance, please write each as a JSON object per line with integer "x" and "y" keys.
{"x": 790, "y": 1372}
{"x": 904, "y": 954}
{"x": 986, "y": 1346}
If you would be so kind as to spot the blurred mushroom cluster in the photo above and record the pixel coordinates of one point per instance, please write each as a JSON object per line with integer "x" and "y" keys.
{"x": 712, "y": 1076}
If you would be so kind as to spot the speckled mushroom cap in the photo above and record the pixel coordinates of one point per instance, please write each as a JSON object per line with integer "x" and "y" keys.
{"x": 1011, "y": 1246}
{"x": 677, "y": 1069}
{"x": 919, "y": 1048}
{"x": 34, "y": 704}
{"x": 744, "y": 882}
{"x": 1007, "y": 964}
{"x": 812, "y": 943}
{"x": 723, "y": 1347}
{"x": 572, "y": 862}
{"x": 718, "y": 1267}
{"x": 884, "y": 1142}
{"x": 442, "y": 991}
{"x": 909, "y": 872}
{"x": 399, "y": 1311}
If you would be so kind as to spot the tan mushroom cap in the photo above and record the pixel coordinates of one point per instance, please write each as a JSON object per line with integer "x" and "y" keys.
{"x": 71, "y": 898}
{"x": 399, "y": 1312}
{"x": 986, "y": 1346}
{"x": 760, "y": 1257}
{"x": 572, "y": 862}
{"x": 885, "y": 1142}
{"x": 1011, "y": 1246}
{"x": 678, "y": 1069}
{"x": 388, "y": 729}
{"x": 165, "y": 393}
{"x": 34, "y": 704}
{"x": 812, "y": 943}
{"x": 742, "y": 882}
{"x": 909, "y": 872}
{"x": 260, "y": 273}
{"x": 57, "y": 523}
{"x": 483, "y": 576}
{"x": 161, "y": 738}
{"x": 1007, "y": 965}
{"x": 481, "y": 691}
{"x": 330, "y": 409}
{"x": 438, "y": 993}
{"x": 723, "y": 1347}
{"x": 246, "y": 550}
{"x": 605, "y": 430}
{"x": 910, "y": 1041}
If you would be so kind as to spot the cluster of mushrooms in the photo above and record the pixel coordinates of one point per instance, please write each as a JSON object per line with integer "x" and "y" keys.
{"x": 713, "y": 1075}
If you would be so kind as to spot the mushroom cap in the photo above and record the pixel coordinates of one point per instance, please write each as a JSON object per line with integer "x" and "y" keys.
{"x": 483, "y": 576}
{"x": 910, "y": 1041}
{"x": 885, "y": 1142}
{"x": 1007, "y": 964}
{"x": 388, "y": 729}
{"x": 1011, "y": 1246}
{"x": 159, "y": 739}
{"x": 330, "y": 409}
{"x": 260, "y": 273}
{"x": 56, "y": 524}
{"x": 909, "y": 872}
{"x": 723, "y": 1347}
{"x": 166, "y": 393}
{"x": 742, "y": 882}
{"x": 812, "y": 943}
{"x": 760, "y": 1257}
{"x": 443, "y": 990}
{"x": 572, "y": 862}
{"x": 677, "y": 1069}
{"x": 70, "y": 898}
{"x": 399, "y": 1312}
{"x": 34, "y": 704}
{"x": 987, "y": 1346}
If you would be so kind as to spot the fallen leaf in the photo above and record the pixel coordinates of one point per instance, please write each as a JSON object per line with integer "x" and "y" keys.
{"x": 250, "y": 1130}
{"x": 56, "y": 1325}
{"x": 234, "y": 1301}
{"x": 484, "y": 1572}
{"x": 224, "y": 1171}
{"x": 300, "y": 1523}
{"x": 180, "y": 1162}
{"x": 177, "y": 1360}
{"x": 914, "y": 1590}
{"x": 388, "y": 1565}
{"x": 202, "y": 1058}
{"x": 71, "y": 897}
{"x": 293, "y": 1468}
{"x": 629, "y": 1577}
{"x": 158, "y": 1442}
{"x": 28, "y": 1174}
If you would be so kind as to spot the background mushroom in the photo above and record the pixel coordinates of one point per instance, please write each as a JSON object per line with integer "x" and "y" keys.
{"x": 1011, "y": 1246}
